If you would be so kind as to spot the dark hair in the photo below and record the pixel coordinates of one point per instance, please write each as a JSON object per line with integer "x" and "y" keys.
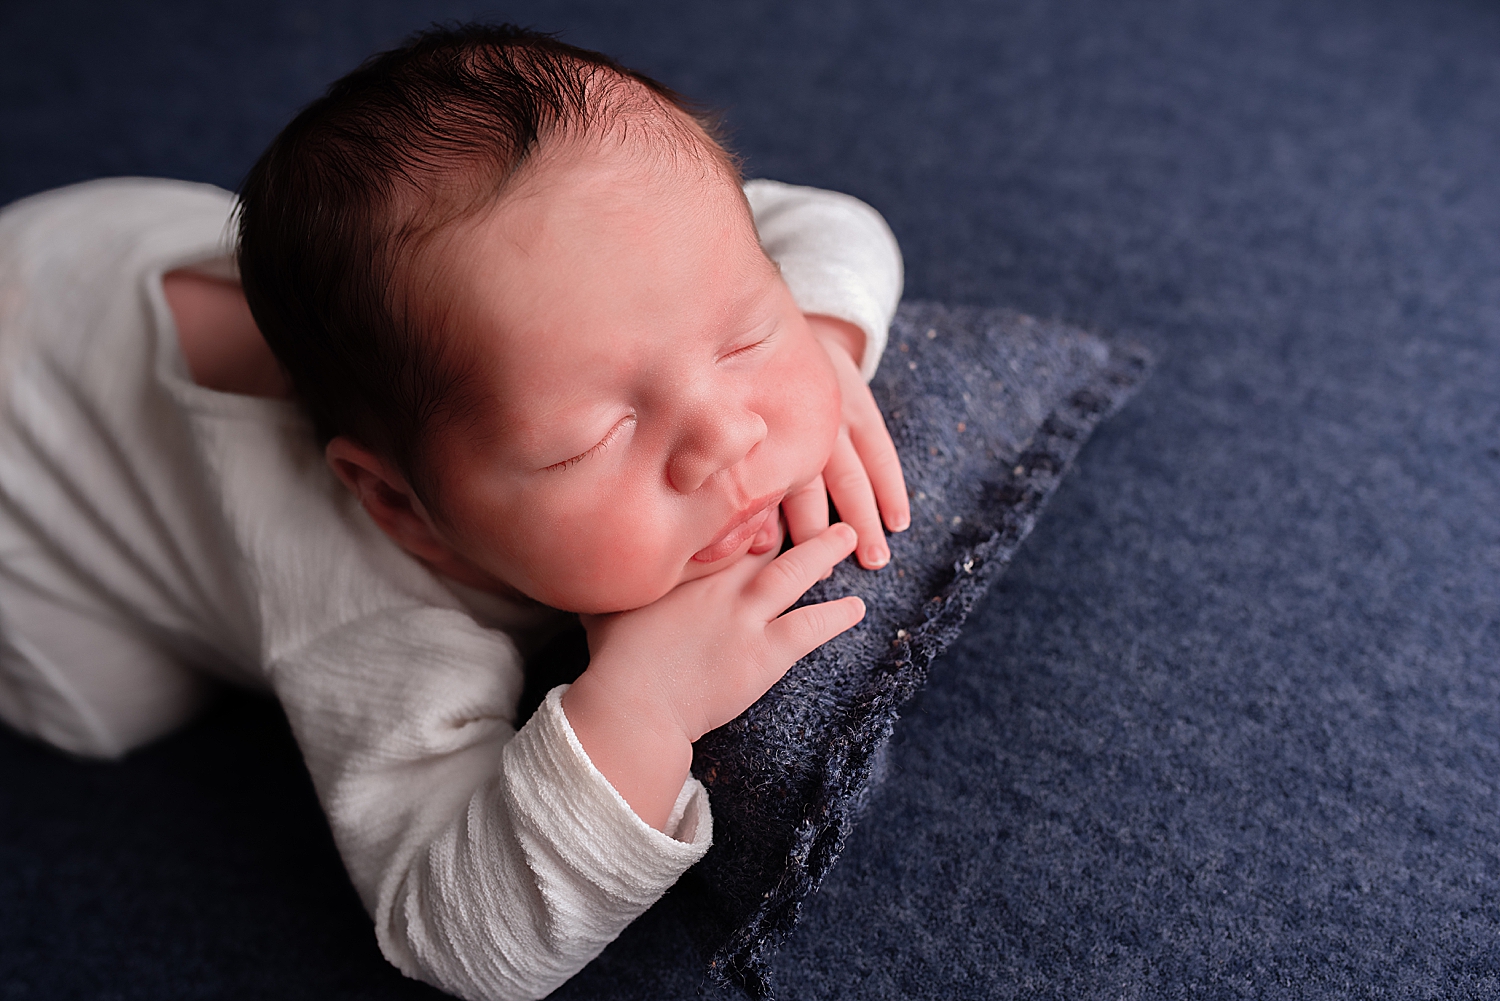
{"x": 414, "y": 139}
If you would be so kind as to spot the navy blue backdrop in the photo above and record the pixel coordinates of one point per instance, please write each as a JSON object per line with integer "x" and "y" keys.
{"x": 1230, "y": 727}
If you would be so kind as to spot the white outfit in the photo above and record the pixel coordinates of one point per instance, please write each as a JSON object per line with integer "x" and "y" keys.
{"x": 154, "y": 532}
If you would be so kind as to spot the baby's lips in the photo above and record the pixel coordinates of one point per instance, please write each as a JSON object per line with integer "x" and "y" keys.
{"x": 736, "y": 537}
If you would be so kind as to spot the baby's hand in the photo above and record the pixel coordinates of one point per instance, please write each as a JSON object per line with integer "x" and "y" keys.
{"x": 863, "y": 475}
{"x": 661, "y": 676}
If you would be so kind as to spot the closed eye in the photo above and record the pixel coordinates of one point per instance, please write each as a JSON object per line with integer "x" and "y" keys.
{"x": 614, "y": 433}
{"x": 751, "y": 348}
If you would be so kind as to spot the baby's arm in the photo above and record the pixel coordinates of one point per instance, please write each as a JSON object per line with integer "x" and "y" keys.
{"x": 843, "y": 267}
{"x": 220, "y": 342}
{"x": 497, "y": 863}
{"x": 494, "y": 863}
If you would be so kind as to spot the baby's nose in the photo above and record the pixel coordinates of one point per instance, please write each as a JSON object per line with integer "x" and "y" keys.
{"x": 713, "y": 438}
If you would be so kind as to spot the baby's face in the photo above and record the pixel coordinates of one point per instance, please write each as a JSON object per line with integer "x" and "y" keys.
{"x": 649, "y": 391}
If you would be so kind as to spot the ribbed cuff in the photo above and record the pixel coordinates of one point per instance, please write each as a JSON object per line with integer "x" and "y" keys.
{"x": 837, "y": 255}
{"x": 830, "y": 290}
{"x": 593, "y": 829}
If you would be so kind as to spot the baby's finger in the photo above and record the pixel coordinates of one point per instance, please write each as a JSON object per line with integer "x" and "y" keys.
{"x": 806, "y": 511}
{"x": 849, "y": 486}
{"x": 767, "y": 537}
{"x": 798, "y": 633}
{"x": 878, "y": 454}
{"x": 789, "y": 576}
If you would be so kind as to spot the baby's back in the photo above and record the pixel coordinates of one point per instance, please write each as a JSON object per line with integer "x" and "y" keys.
{"x": 98, "y": 497}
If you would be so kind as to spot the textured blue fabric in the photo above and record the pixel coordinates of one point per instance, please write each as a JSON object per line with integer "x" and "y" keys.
{"x": 987, "y": 408}
{"x": 1230, "y": 724}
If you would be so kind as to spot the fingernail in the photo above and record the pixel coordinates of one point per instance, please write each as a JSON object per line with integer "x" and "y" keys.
{"x": 902, "y": 525}
{"x": 876, "y": 557}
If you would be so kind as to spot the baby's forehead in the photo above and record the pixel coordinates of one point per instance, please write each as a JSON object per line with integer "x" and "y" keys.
{"x": 589, "y": 181}
{"x": 609, "y": 211}
{"x": 648, "y": 144}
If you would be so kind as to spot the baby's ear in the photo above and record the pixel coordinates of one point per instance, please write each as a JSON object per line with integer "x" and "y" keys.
{"x": 386, "y": 496}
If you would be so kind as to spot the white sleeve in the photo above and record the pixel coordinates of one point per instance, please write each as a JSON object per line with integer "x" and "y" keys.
{"x": 495, "y": 863}
{"x": 837, "y": 255}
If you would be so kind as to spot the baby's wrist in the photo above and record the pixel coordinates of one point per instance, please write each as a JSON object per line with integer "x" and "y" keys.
{"x": 832, "y": 330}
{"x": 639, "y": 749}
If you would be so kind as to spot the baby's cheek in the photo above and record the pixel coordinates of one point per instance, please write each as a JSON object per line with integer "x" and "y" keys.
{"x": 802, "y": 396}
{"x": 831, "y": 413}
{"x": 820, "y": 415}
{"x": 616, "y": 560}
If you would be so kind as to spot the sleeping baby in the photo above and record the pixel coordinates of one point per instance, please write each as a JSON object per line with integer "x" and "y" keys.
{"x": 504, "y": 337}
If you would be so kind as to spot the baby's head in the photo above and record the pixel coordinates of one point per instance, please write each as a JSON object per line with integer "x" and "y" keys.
{"x": 519, "y": 291}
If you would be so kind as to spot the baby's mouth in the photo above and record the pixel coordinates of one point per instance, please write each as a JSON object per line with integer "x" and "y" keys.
{"x": 738, "y": 533}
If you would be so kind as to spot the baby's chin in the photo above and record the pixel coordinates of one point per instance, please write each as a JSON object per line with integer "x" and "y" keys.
{"x": 622, "y": 596}
{"x": 625, "y": 596}
{"x": 643, "y": 593}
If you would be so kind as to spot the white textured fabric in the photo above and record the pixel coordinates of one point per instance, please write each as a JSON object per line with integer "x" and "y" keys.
{"x": 151, "y": 529}
{"x": 837, "y": 255}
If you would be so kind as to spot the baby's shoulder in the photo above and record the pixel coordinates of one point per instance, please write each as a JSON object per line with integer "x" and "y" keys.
{"x": 116, "y": 213}
{"x": 75, "y": 261}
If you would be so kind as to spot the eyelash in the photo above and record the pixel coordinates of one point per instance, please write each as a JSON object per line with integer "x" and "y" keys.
{"x": 614, "y": 433}
{"x": 750, "y": 347}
